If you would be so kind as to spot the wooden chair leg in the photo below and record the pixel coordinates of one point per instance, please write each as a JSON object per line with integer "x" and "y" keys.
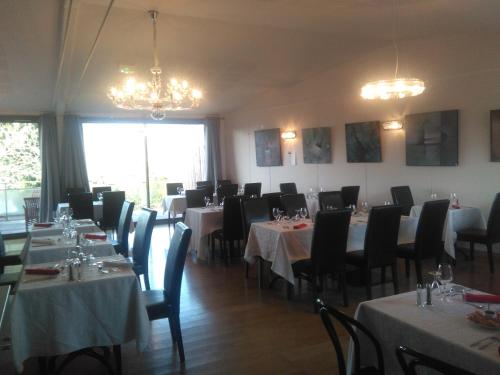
{"x": 368, "y": 282}
{"x": 178, "y": 334}
{"x": 471, "y": 247}
{"x": 490, "y": 257}
{"x": 395, "y": 281}
{"x": 407, "y": 267}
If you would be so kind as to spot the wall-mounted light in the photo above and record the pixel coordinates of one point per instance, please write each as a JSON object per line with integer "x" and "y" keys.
{"x": 392, "y": 125}
{"x": 290, "y": 134}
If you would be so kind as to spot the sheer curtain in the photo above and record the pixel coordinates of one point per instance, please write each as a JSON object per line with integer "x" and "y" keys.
{"x": 212, "y": 125}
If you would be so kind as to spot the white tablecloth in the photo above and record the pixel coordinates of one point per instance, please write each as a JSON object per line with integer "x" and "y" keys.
{"x": 456, "y": 219}
{"x": 52, "y": 316}
{"x": 39, "y": 253}
{"x": 202, "y": 221}
{"x": 282, "y": 245}
{"x": 97, "y": 209}
{"x": 174, "y": 204}
{"x": 81, "y": 226}
{"x": 440, "y": 331}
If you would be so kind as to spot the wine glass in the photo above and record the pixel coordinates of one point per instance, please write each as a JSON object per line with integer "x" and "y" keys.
{"x": 446, "y": 276}
{"x": 179, "y": 190}
{"x": 435, "y": 286}
{"x": 207, "y": 201}
{"x": 433, "y": 196}
{"x": 276, "y": 213}
{"x": 303, "y": 213}
{"x": 364, "y": 207}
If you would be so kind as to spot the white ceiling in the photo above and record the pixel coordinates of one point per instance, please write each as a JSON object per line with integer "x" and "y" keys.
{"x": 233, "y": 49}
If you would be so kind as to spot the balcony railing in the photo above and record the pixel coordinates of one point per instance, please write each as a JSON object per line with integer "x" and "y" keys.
{"x": 12, "y": 199}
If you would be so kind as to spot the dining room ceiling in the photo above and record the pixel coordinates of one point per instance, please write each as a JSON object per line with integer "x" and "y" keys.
{"x": 233, "y": 49}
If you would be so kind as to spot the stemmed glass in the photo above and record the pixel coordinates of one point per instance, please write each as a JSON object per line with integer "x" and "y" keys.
{"x": 446, "y": 277}
{"x": 303, "y": 213}
{"x": 434, "y": 196}
{"x": 207, "y": 201}
{"x": 364, "y": 207}
{"x": 276, "y": 214}
{"x": 435, "y": 286}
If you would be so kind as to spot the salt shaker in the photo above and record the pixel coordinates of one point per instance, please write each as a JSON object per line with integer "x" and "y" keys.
{"x": 429, "y": 294}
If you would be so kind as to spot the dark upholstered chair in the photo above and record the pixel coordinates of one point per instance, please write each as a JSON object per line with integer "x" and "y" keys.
{"x": 401, "y": 196}
{"x": 428, "y": 239}
{"x": 331, "y": 199}
{"x": 274, "y": 200}
{"x": 350, "y": 195}
{"x": 293, "y": 202}
{"x": 252, "y": 189}
{"x": 99, "y": 189}
{"x": 288, "y": 188}
{"x": 419, "y": 360}
{"x": 488, "y": 237}
{"x": 224, "y": 182}
{"x": 72, "y": 190}
{"x": 195, "y": 198}
{"x": 232, "y": 228}
{"x": 354, "y": 329}
{"x": 8, "y": 260}
{"x": 165, "y": 303}
{"x": 142, "y": 243}
{"x": 31, "y": 211}
{"x": 227, "y": 190}
{"x": 172, "y": 187}
{"x": 82, "y": 205}
{"x": 121, "y": 243}
{"x": 381, "y": 245}
{"x": 112, "y": 202}
{"x": 208, "y": 187}
{"x": 328, "y": 251}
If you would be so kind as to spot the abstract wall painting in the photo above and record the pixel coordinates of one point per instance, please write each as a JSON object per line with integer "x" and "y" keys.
{"x": 317, "y": 145}
{"x": 432, "y": 138}
{"x": 495, "y": 134}
{"x": 363, "y": 142}
{"x": 268, "y": 147}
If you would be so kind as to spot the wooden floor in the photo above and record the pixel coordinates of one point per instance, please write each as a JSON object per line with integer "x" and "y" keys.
{"x": 231, "y": 327}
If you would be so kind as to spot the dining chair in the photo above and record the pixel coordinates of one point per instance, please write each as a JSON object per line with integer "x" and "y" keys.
{"x": 274, "y": 200}
{"x": 401, "y": 196}
{"x": 423, "y": 361}
{"x": 252, "y": 189}
{"x": 224, "y": 182}
{"x": 165, "y": 303}
{"x": 82, "y": 205}
{"x": 227, "y": 190}
{"x": 99, "y": 189}
{"x": 292, "y": 203}
{"x": 288, "y": 188}
{"x": 173, "y": 186}
{"x": 355, "y": 329}
{"x": 122, "y": 232}
{"x": 208, "y": 187}
{"x": 10, "y": 278}
{"x": 72, "y": 190}
{"x": 142, "y": 243}
{"x": 328, "y": 252}
{"x": 232, "y": 228}
{"x": 488, "y": 236}
{"x": 331, "y": 199}
{"x": 428, "y": 238}
{"x": 112, "y": 202}
{"x": 381, "y": 245}
{"x": 350, "y": 195}
{"x": 195, "y": 198}
{"x": 31, "y": 211}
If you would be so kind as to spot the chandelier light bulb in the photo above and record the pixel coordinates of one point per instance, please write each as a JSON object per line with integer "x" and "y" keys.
{"x": 392, "y": 88}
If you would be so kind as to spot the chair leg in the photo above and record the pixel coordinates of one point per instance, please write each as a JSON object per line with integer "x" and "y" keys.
{"x": 172, "y": 331}
{"x": 382, "y": 275}
{"x": 343, "y": 285}
{"x": 117, "y": 351}
{"x": 178, "y": 334}
{"x": 213, "y": 247}
{"x": 418, "y": 269}
{"x": 247, "y": 270}
{"x": 490, "y": 257}
{"x": 395, "y": 281}
{"x": 146, "y": 280}
{"x": 407, "y": 267}
{"x": 368, "y": 282}
{"x": 471, "y": 247}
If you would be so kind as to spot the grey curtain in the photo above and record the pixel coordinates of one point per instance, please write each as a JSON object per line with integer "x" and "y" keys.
{"x": 74, "y": 169}
{"x": 50, "y": 191}
{"x": 212, "y": 125}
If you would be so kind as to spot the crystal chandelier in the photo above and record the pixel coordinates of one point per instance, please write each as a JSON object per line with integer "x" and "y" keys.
{"x": 155, "y": 96}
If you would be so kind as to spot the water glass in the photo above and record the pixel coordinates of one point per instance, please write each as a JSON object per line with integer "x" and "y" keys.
{"x": 434, "y": 196}
{"x": 207, "y": 201}
{"x": 421, "y": 295}
{"x": 364, "y": 207}
{"x": 303, "y": 213}
{"x": 446, "y": 276}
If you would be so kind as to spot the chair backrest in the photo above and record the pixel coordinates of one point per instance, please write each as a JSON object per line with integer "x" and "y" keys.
{"x": 293, "y": 202}
{"x": 353, "y": 328}
{"x": 232, "y": 225}
{"x": 172, "y": 187}
{"x": 2, "y": 252}
{"x": 31, "y": 208}
{"x": 223, "y": 182}
{"x": 112, "y": 202}
{"x": 124, "y": 227}
{"x": 401, "y": 196}
{"x": 329, "y": 241}
{"x": 350, "y": 195}
{"x": 82, "y": 205}
{"x": 195, "y": 198}
{"x": 493, "y": 228}
{"x": 331, "y": 199}
{"x": 228, "y": 190}
{"x": 274, "y": 200}
{"x": 425, "y": 361}
{"x": 381, "y": 238}
{"x": 288, "y": 188}
{"x": 252, "y": 189}
{"x": 254, "y": 210}
{"x": 142, "y": 237}
{"x": 203, "y": 183}
{"x": 174, "y": 268}
{"x": 428, "y": 239}
{"x": 99, "y": 189}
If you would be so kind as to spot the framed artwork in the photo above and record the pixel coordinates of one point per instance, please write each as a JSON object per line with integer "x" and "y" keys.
{"x": 317, "y": 145}
{"x": 495, "y": 134}
{"x": 363, "y": 142}
{"x": 432, "y": 138}
{"x": 268, "y": 147}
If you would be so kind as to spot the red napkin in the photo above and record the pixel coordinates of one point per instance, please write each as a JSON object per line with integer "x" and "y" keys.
{"x": 43, "y": 225}
{"x": 455, "y": 206}
{"x": 41, "y": 271}
{"x": 95, "y": 236}
{"x": 300, "y": 226}
{"x": 481, "y": 298}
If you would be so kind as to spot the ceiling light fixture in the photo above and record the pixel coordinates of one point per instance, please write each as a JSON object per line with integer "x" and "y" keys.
{"x": 155, "y": 96}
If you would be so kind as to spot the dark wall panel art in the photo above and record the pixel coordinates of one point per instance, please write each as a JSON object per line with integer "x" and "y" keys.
{"x": 317, "y": 145}
{"x": 363, "y": 142}
{"x": 268, "y": 147}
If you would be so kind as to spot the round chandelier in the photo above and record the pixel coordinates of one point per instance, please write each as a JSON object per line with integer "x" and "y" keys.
{"x": 396, "y": 88}
{"x": 156, "y": 95}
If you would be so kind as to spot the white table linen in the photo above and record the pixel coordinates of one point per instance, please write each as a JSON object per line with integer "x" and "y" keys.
{"x": 456, "y": 219}
{"x": 97, "y": 205}
{"x": 174, "y": 204}
{"x": 440, "y": 330}
{"x": 202, "y": 222}
{"x": 282, "y": 245}
{"x": 53, "y": 316}
{"x": 81, "y": 226}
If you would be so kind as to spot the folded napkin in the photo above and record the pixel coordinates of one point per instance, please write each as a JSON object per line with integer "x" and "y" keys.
{"x": 300, "y": 226}
{"x": 42, "y": 241}
{"x": 41, "y": 271}
{"x": 455, "y": 206}
{"x": 43, "y": 225}
{"x": 117, "y": 263}
{"x": 481, "y": 298}
{"x": 95, "y": 236}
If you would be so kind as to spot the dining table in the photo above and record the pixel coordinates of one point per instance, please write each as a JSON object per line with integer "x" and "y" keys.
{"x": 202, "y": 221}
{"x": 52, "y": 229}
{"x": 174, "y": 205}
{"x": 97, "y": 206}
{"x": 51, "y": 315}
{"x": 440, "y": 330}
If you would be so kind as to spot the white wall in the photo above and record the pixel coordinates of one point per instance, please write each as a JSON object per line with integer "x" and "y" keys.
{"x": 460, "y": 73}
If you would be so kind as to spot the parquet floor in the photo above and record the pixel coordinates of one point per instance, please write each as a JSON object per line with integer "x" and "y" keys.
{"x": 229, "y": 326}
